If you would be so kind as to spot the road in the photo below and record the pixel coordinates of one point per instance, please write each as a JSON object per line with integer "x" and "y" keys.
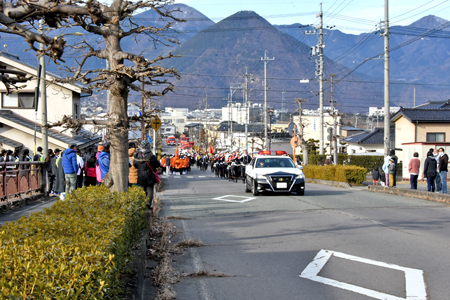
{"x": 379, "y": 246}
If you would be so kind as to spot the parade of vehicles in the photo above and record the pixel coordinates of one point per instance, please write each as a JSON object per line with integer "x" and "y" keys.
{"x": 271, "y": 171}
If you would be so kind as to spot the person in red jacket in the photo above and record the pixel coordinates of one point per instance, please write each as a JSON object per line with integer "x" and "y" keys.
{"x": 91, "y": 173}
{"x": 413, "y": 169}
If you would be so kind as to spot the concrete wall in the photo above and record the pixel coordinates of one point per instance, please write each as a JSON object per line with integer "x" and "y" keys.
{"x": 364, "y": 148}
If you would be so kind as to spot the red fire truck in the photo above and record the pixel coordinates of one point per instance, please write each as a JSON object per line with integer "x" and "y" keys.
{"x": 171, "y": 140}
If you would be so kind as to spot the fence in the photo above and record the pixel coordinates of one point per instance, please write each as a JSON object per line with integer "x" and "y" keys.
{"x": 20, "y": 180}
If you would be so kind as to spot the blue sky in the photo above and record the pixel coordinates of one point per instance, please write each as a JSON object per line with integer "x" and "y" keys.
{"x": 351, "y": 16}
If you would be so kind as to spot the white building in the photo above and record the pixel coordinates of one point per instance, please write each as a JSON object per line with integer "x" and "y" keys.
{"x": 375, "y": 111}
{"x": 240, "y": 114}
{"x": 18, "y": 118}
{"x": 175, "y": 116}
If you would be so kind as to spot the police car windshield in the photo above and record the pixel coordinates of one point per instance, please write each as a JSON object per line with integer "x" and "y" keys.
{"x": 275, "y": 162}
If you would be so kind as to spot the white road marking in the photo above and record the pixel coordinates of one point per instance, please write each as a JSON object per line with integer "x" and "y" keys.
{"x": 176, "y": 176}
{"x": 226, "y": 198}
{"x": 201, "y": 176}
{"x": 189, "y": 176}
{"x": 414, "y": 279}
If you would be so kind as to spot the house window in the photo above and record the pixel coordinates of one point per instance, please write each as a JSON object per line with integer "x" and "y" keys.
{"x": 21, "y": 100}
{"x": 435, "y": 137}
{"x": 353, "y": 151}
{"x": 179, "y": 120}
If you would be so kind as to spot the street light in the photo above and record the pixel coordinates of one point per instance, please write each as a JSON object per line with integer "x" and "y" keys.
{"x": 270, "y": 126}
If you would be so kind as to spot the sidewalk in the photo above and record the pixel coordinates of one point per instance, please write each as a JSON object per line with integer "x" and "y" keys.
{"x": 35, "y": 206}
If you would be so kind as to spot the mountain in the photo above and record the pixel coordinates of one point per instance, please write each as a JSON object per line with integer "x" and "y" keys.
{"x": 218, "y": 57}
{"x": 182, "y": 31}
{"x": 424, "y": 62}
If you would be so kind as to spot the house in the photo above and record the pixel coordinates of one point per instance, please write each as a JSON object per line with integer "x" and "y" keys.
{"x": 347, "y": 131}
{"x": 421, "y": 128}
{"x": 366, "y": 142}
{"x": 20, "y": 122}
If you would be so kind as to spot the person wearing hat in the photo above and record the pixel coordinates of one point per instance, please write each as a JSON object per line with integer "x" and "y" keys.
{"x": 104, "y": 160}
{"x": 90, "y": 169}
{"x": 163, "y": 164}
{"x": 97, "y": 167}
{"x": 70, "y": 166}
{"x": 147, "y": 164}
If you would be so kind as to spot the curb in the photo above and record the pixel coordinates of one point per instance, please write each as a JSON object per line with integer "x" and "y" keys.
{"x": 435, "y": 197}
{"x": 328, "y": 182}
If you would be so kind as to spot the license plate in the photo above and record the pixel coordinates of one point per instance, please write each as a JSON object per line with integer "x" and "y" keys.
{"x": 281, "y": 185}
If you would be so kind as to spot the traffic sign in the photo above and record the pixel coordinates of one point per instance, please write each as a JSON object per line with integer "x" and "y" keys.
{"x": 156, "y": 123}
{"x": 291, "y": 128}
{"x": 330, "y": 130}
{"x": 149, "y": 139}
{"x": 329, "y": 137}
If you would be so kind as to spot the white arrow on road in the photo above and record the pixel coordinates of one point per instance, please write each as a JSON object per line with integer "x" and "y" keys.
{"x": 229, "y": 198}
{"x": 414, "y": 280}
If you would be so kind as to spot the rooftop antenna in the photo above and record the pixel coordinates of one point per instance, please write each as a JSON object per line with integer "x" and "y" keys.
{"x": 5, "y": 48}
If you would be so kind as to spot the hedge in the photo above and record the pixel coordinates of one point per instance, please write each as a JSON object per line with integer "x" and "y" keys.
{"x": 350, "y": 174}
{"x": 74, "y": 250}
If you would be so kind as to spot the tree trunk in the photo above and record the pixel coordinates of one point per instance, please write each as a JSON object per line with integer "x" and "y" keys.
{"x": 119, "y": 166}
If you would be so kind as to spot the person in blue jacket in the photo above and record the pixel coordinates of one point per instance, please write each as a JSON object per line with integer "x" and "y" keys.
{"x": 103, "y": 159}
{"x": 70, "y": 167}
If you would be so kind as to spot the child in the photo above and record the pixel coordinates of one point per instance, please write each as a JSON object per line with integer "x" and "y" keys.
{"x": 375, "y": 176}
{"x": 391, "y": 168}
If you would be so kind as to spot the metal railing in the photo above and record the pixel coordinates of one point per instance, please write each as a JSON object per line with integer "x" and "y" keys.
{"x": 20, "y": 180}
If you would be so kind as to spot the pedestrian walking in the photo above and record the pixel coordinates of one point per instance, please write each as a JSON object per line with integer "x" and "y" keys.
{"x": 413, "y": 169}
{"x": 70, "y": 166}
{"x": 375, "y": 176}
{"x": 147, "y": 164}
{"x": 429, "y": 171}
{"x": 104, "y": 160}
{"x": 443, "y": 169}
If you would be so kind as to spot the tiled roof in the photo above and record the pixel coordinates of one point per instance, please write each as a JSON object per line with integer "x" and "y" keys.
{"x": 435, "y": 104}
{"x": 83, "y": 139}
{"x": 241, "y": 128}
{"x": 424, "y": 115}
{"x": 9, "y": 142}
{"x": 374, "y": 137}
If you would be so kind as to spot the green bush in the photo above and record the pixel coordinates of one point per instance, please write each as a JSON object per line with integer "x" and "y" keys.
{"x": 74, "y": 250}
{"x": 350, "y": 174}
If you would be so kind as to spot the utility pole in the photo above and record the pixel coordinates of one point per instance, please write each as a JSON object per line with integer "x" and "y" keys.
{"x": 387, "y": 119}
{"x": 318, "y": 50}
{"x": 248, "y": 77}
{"x": 43, "y": 89}
{"x": 414, "y": 96}
{"x": 231, "y": 112}
{"x": 266, "y": 60}
{"x": 335, "y": 116}
{"x": 300, "y": 132}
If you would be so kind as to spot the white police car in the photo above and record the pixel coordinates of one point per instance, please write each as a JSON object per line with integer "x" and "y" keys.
{"x": 271, "y": 171}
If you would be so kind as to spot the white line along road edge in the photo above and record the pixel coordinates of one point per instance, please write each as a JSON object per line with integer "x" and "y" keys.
{"x": 414, "y": 279}
{"x": 224, "y": 198}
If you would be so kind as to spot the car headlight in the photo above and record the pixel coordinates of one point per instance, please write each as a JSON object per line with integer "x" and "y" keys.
{"x": 300, "y": 176}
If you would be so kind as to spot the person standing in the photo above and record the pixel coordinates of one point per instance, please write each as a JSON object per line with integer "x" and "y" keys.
{"x": 392, "y": 171}
{"x": 98, "y": 173}
{"x": 70, "y": 166}
{"x": 429, "y": 171}
{"x": 38, "y": 156}
{"x": 60, "y": 181}
{"x": 50, "y": 166}
{"x": 133, "y": 172}
{"x": 438, "y": 177}
{"x": 147, "y": 164}
{"x": 443, "y": 169}
{"x": 385, "y": 169}
{"x": 395, "y": 161}
{"x": 104, "y": 160}
{"x": 413, "y": 169}
{"x": 80, "y": 163}
{"x": 89, "y": 167}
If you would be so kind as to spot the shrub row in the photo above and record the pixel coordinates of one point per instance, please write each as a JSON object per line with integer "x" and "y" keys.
{"x": 350, "y": 174}
{"x": 74, "y": 250}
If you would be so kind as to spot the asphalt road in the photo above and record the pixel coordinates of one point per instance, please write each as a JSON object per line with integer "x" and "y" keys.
{"x": 379, "y": 246}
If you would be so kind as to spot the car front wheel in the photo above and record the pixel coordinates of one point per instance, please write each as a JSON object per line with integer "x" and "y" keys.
{"x": 254, "y": 190}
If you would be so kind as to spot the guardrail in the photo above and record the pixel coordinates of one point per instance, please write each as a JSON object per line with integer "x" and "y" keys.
{"x": 19, "y": 180}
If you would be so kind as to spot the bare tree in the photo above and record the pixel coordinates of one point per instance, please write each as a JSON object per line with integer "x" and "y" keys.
{"x": 110, "y": 24}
